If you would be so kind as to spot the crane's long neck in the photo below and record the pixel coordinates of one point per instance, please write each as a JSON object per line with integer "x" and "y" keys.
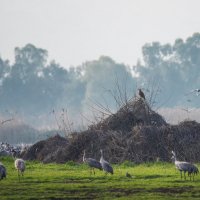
{"x": 175, "y": 159}
{"x": 84, "y": 156}
{"x": 101, "y": 155}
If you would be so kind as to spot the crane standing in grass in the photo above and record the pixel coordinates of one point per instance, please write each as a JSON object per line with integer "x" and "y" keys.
{"x": 185, "y": 167}
{"x": 20, "y": 166}
{"x": 2, "y": 171}
{"x": 105, "y": 165}
{"x": 92, "y": 163}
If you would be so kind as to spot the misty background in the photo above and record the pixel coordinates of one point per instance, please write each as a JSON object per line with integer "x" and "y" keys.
{"x": 40, "y": 98}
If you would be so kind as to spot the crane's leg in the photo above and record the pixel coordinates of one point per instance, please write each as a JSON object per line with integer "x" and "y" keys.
{"x": 93, "y": 171}
{"x": 18, "y": 174}
{"x": 184, "y": 175}
{"x": 189, "y": 174}
{"x": 90, "y": 171}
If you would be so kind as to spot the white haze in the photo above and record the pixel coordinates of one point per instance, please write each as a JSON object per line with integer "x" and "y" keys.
{"x": 74, "y": 31}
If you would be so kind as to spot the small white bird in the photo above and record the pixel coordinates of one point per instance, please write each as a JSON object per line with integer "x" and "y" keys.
{"x": 20, "y": 166}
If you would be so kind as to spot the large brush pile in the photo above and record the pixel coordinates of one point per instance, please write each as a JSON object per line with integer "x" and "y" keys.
{"x": 136, "y": 112}
{"x": 50, "y": 150}
{"x": 134, "y": 133}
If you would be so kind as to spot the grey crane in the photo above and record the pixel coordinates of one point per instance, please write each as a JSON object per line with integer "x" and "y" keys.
{"x": 2, "y": 171}
{"x": 185, "y": 167}
{"x": 20, "y": 166}
{"x": 92, "y": 163}
{"x": 105, "y": 165}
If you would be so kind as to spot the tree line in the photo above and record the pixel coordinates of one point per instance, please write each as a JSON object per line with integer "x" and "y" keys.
{"x": 32, "y": 87}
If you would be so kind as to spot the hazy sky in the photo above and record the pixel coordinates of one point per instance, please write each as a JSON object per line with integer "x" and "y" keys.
{"x": 74, "y": 31}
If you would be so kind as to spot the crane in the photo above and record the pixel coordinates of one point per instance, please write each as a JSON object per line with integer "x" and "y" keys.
{"x": 92, "y": 163}
{"x": 185, "y": 167}
{"x": 20, "y": 166}
{"x": 105, "y": 165}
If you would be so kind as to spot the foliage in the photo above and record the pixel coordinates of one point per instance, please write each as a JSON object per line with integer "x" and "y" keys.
{"x": 127, "y": 163}
{"x": 33, "y": 88}
{"x": 175, "y": 67}
{"x": 71, "y": 163}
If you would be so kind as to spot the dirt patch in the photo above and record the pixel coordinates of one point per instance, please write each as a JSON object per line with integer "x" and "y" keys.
{"x": 123, "y": 191}
{"x": 170, "y": 191}
{"x": 174, "y": 190}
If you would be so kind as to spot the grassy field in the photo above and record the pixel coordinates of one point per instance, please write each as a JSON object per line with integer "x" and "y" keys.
{"x": 73, "y": 181}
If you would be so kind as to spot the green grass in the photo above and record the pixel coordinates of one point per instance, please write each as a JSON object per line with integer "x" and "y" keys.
{"x": 73, "y": 181}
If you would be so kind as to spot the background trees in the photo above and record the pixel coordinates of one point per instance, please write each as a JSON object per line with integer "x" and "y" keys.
{"x": 32, "y": 86}
{"x": 176, "y": 68}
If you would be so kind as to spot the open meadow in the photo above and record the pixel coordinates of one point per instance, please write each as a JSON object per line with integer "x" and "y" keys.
{"x": 73, "y": 181}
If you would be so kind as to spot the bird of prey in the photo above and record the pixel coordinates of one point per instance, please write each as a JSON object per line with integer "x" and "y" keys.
{"x": 141, "y": 93}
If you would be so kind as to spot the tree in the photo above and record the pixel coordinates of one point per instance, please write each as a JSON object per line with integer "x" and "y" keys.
{"x": 106, "y": 80}
{"x": 175, "y": 67}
